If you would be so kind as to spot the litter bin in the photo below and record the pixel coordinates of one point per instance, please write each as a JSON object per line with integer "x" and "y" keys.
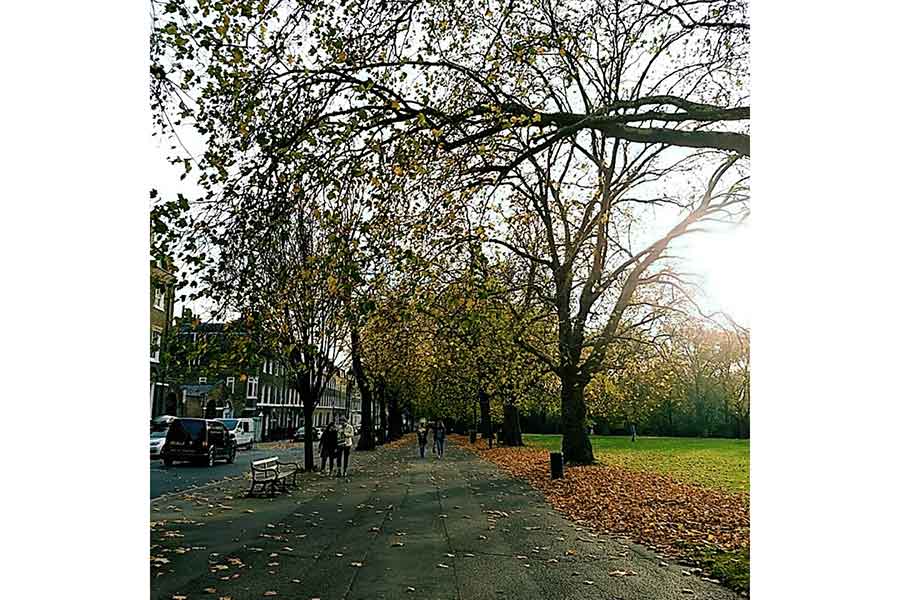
{"x": 471, "y": 436}
{"x": 556, "y": 465}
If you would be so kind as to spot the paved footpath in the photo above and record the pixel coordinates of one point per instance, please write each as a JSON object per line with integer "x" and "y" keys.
{"x": 398, "y": 527}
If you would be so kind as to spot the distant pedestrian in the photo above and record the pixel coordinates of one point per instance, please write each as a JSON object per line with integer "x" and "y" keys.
{"x": 328, "y": 447}
{"x": 433, "y": 427}
{"x": 422, "y": 435}
{"x": 440, "y": 434}
{"x": 490, "y": 436}
{"x": 633, "y": 432}
{"x": 344, "y": 443}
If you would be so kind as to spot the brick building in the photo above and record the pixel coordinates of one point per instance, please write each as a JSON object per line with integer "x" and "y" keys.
{"x": 162, "y": 309}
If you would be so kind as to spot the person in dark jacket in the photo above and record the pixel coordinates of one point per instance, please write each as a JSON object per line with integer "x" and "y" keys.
{"x": 328, "y": 447}
{"x": 422, "y": 435}
{"x": 440, "y": 434}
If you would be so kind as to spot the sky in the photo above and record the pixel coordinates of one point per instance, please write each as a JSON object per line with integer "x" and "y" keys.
{"x": 722, "y": 261}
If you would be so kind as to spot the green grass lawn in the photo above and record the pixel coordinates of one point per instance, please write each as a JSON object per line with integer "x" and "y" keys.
{"x": 711, "y": 462}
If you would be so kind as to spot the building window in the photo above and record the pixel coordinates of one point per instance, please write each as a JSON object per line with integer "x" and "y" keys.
{"x": 155, "y": 344}
{"x": 252, "y": 386}
{"x": 229, "y": 382}
{"x": 201, "y": 380}
{"x": 159, "y": 297}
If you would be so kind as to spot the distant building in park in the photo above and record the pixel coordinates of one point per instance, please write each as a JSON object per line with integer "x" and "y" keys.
{"x": 162, "y": 309}
{"x": 217, "y": 372}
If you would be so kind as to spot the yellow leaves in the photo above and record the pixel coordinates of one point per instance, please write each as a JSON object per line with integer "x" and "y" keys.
{"x": 395, "y": 105}
{"x": 342, "y": 57}
{"x": 562, "y": 51}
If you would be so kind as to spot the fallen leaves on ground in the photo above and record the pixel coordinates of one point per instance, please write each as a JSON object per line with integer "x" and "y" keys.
{"x": 653, "y": 509}
{"x": 401, "y": 442}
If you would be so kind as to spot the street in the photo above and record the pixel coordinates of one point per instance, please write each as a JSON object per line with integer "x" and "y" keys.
{"x": 181, "y": 476}
{"x": 399, "y": 527}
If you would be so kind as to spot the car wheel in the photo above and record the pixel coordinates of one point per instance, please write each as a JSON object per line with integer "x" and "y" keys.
{"x": 231, "y": 455}
{"x": 211, "y": 457}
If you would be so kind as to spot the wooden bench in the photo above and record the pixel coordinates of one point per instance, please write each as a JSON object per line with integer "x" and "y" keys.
{"x": 271, "y": 472}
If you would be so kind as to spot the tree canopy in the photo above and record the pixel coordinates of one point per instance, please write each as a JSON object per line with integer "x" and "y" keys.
{"x": 473, "y": 200}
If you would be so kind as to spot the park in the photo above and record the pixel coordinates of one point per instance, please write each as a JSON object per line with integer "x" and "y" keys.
{"x": 484, "y": 214}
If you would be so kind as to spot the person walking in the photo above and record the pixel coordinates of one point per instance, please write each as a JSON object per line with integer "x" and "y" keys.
{"x": 440, "y": 434}
{"x": 344, "y": 443}
{"x": 328, "y": 447}
{"x": 633, "y": 431}
{"x": 422, "y": 435}
{"x": 433, "y": 427}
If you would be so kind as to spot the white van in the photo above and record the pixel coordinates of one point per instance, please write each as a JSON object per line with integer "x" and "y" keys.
{"x": 244, "y": 431}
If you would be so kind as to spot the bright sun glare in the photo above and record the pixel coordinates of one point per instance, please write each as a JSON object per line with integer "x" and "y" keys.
{"x": 722, "y": 259}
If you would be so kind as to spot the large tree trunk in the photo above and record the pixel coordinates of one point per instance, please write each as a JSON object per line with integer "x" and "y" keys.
{"x": 512, "y": 428}
{"x": 395, "y": 419}
{"x": 576, "y": 445}
{"x": 484, "y": 404}
{"x": 382, "y": 415}
{"x": 366, "y": 435}
{"x": 308, "y": 460}
{"x": 309, "y": 404}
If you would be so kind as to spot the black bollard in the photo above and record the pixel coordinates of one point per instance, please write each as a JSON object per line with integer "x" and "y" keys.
{"x": 471, "y": 436}
{"x": 556, "y": 465}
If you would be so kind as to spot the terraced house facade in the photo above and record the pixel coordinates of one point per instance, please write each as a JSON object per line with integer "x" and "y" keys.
{"x": 220, "y": 374}
{"x": 162, "y": 309}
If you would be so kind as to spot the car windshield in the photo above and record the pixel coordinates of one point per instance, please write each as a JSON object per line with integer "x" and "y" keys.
{"x": 158, "y": 434}
{"x": 231, "y": 424}
{"x": 187, "y": 429}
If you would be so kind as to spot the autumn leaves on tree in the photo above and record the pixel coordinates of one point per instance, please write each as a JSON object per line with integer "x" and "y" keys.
{"x": 468, "y": 198}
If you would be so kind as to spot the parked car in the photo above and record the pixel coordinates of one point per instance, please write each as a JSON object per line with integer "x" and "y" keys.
{"x": 157, "y": 441}
{"x": 300, "y": 434}
{"x": 243, "y": 430}
{"x": 198, "y": 440}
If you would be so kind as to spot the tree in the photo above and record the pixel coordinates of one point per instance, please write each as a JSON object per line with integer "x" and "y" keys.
{"x": 564, "y": 110}
{"x": 290, "y": 285}
{"x": 463, "y": 73}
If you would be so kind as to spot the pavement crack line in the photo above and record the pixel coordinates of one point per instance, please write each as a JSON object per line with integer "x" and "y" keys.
{"x": 387, "y": 514}
{"x": 437, "y": 491}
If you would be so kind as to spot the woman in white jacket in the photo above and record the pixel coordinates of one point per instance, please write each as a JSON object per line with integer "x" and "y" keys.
{"x": 345, "y": 442}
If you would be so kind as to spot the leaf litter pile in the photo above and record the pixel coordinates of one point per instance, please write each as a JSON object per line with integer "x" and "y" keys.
{"x": 677, "y": 519}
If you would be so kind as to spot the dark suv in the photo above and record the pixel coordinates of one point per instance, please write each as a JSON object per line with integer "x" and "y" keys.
{"x": 198, "y": 440}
